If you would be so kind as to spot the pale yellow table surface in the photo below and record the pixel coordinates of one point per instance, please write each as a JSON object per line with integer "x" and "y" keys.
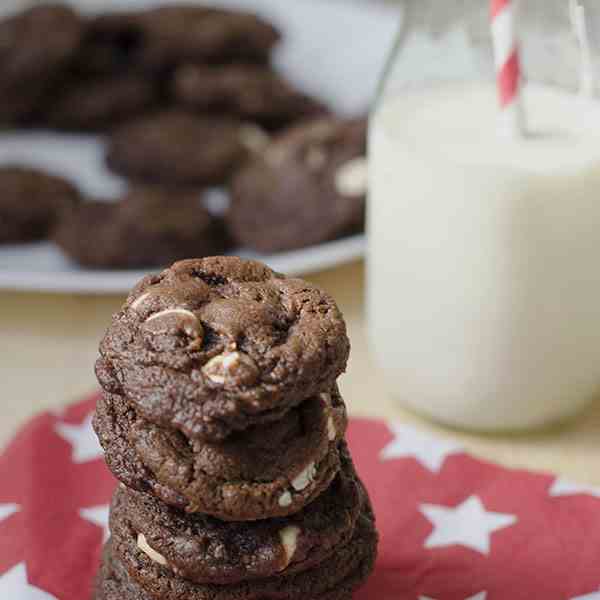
{"x": 48, "y": 344}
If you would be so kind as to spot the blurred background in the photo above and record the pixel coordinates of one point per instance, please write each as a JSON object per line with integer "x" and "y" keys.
{"x": 159, "y": 146}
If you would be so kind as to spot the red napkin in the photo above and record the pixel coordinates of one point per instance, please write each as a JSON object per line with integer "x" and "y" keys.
{"x": 452, "y": 527}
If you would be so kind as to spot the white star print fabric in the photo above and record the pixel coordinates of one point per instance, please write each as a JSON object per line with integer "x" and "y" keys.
{"x": 98, "y": 515}
{"x": 14, "y": 584}
{"x": 468, "y": 525}
{"x": 408, "y": 442}
{"x": 563, "y": 487}
{"x": 82, "y": 439}
{"x": 452, "y": 527}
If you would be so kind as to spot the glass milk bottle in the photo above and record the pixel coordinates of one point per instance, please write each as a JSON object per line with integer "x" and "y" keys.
{"x": 484, "y": 213}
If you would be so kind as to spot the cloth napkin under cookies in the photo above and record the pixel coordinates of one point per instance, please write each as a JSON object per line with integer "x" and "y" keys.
{"x": 452, "y": 527}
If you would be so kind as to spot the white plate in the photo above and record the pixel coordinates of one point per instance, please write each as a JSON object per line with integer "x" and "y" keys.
{"x": 333, "y": 49}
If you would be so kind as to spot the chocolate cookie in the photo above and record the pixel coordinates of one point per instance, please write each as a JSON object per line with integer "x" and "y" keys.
{"x": 35, "y": 45}
{"x": 265, "y": 471}
{"x": 164, "y": 37}
{"x": 110, "y": 45}
{"x": 149, "y": 227}
{"x": 178, "y": 148}
{"x": 31, "y": 202}
{"x": 237, "y": 345}
{"x": 255, "y": 93}
{"x": 98, "y": 103}
{"x": 129, "y": 574}
{"x": 206, "y": 550}
{"x": 308, "y": 186}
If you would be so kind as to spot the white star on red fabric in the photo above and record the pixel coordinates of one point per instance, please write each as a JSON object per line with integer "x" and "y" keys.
{"x": 409, "y": 442}
{"x": 98, "y": 515}
{"x": 7, "y": 510}
{"x": 564, "y": 487}
{"x": 469, "y": 524}
{"x": 14, "y": 586}
{"x": 83, "y": 440}
{"x": 480, "y": 596}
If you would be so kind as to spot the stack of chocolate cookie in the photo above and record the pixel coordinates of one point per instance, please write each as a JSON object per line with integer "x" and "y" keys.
{"x": 222, "y": 419}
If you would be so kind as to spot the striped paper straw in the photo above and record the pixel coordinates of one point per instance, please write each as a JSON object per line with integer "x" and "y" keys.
{"x": 508, "y": 67}
{"x": 580, "y": 26}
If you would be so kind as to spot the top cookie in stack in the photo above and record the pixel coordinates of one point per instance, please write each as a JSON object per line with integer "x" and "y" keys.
{"x": 219, "y": 344}
{"x": 222, "y": 418}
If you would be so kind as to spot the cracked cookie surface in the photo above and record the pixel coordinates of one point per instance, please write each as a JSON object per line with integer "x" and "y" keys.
{"x": 207, "y": 550}
{"x": 129, "y": 574}
{"x": 214, "y": 345}
{"x": 265, "y": 471}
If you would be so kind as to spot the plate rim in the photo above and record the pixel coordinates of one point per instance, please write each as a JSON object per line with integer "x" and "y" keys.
{"x": 312, "y": 259}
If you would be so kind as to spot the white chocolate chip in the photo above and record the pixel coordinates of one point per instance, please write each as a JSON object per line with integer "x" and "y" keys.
{"x": 253, "y": 137}
{"x": 289, "y": 540}
{"x": 224, "y": 366}
{"x": 351, "y": 180}
{"x": 164, "y": 320}
{"x": 331, "y": 430}
{"x": 305, "y": 478}
{"x": 231, "y": 360}
{"x": 216, "y": 368}
{"x": 139, "y": 301}
{"x": 285, "y": 499}
{"x": 152, "y": 554}
{"x": 316, "y": 158}
{"x": 172, "y": 311}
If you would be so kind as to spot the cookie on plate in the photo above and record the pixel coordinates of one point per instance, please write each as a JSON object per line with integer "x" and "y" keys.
{"x": 178, "y": 148}
{"x": 266, "y": 471}
{"x": 35, "y": 46}
{"x": 244, "y": 345}
{"x": 97, "y": 103}
{"x": 31, "y": 203}
{"x": 255, "y": 93}
{"x": 129, "y": 573}
{"x": 206, "y": 550}
{"x": 308, "y": 186}
{"x": 110, "y": 45}
{"x": 163, "y": 37}
{"x": 150, "y": 227}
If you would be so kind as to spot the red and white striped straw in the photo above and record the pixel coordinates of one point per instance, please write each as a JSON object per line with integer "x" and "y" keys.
{"x": 508, "y": 65}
